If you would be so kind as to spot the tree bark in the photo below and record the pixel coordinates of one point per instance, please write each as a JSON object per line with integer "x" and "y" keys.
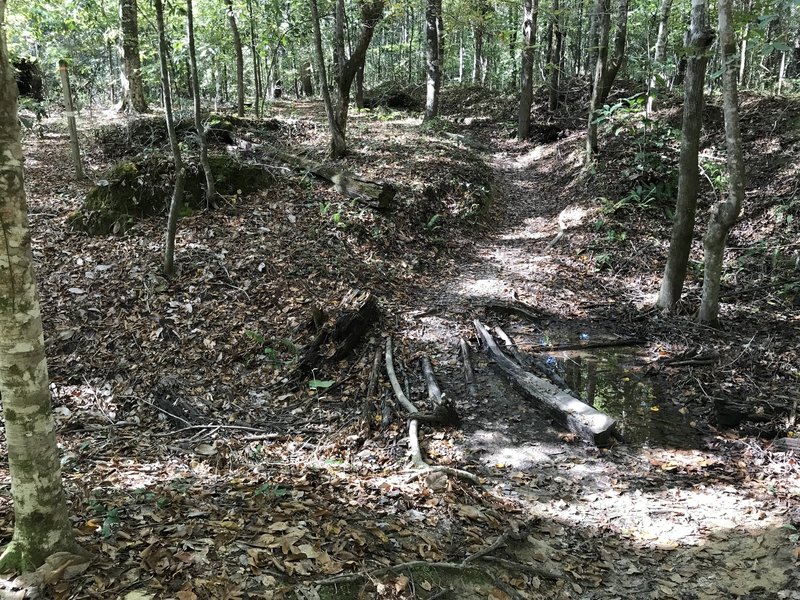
{"x": 603, "y": 24}
{"x": 530, "y": 13}
{"x": 237, "y": 46}
{"x": 211, "y": 192}
{"x": 697, "y": 42}
{"x": 41, "y": 523}
{"x": 73, "y": 128}
{"x": 133, "y": 98}
{"x": 479, "y": 32}
{"x": 344, "y": 69}
{"x": 660, "y": 51}
{"x": 613, "y": 65}
{"x": 433, "y": 38}
{"x": 256, "y": 78}
{"x": 555, "y": 56}
{"x": 725, "y": 213}
{"x": 180, "y": 175}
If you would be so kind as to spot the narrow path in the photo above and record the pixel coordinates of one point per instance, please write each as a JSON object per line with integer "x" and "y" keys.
{"x": 631, "y": 522}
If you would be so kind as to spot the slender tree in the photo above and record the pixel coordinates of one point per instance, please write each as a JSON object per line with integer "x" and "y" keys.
{"x": 211, "y": 191}
{"x": 660, "y": 53}
{"x": 41, "y": 523}
{"x": 180, "y": 173}
{"x": 530, "y": 13}
{"x": 133, "y": 98}
{"x": 697, "y": 42}
{"x": 555, "y": 55}
{"x": 237, "y": 47}
{"x": 433, "y": 56}
{"x": 725, "y": 213}
{"x": 602, "y": 21}
{"x": 344, "y": 68}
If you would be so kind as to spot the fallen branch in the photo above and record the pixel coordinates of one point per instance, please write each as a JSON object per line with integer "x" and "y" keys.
{"x": 579, "y": 418}
{"x": 413, "y": 425}
{"x": 444, "y": 410}
{"x": 516, "y": 308}
{"x": 372, "y": 193}
{"x": 469, "y": 376}
{"x": 538, "y": 365}
{"x": 622, "y": 342}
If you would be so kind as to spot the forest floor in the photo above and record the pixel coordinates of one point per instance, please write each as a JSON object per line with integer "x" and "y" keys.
{"x": 199, "y": 463}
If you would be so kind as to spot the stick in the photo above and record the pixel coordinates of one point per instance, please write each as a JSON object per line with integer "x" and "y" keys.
{"x": 469, "y": 376}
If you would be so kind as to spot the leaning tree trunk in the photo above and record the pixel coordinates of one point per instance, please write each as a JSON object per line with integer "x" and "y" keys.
{"x": 237, "y": 46}
{"x": 433, "y": 22}
{"x": 131, "y": 72}
{"x": 697, "y": 42}
{"x": 180, "y": 174}
{"x": 202, "y": 141}
{"x": 337, "y": 136}
{"x": 41, "y": 523}
{"x": 603, "y": 19}
{"x": 530, "y": 12}
{"x": 724, "y": 214}
{"x": 613, "y": 65}
{"x": 345, "y": 69}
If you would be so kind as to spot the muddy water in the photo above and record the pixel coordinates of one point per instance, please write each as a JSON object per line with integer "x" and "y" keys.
{"x": 611, "y": 380}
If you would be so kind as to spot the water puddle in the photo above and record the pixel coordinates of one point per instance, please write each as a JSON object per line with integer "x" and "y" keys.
{"x": 611, "y": 380}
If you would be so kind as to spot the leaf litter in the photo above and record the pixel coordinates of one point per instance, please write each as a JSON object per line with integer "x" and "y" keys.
{"x": 199, "y": 465}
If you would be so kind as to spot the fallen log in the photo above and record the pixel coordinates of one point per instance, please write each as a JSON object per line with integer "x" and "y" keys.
{"x": 579, "y": 418}
{"x": 786, "y": 445}
{"x": 375, "y": 194}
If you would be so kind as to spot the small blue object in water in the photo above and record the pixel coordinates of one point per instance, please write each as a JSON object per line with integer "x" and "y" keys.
{"x": 584, "y": 336}
{"x": 551, "y": 362}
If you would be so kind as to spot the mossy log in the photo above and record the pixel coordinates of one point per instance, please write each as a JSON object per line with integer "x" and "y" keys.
{"x": 375, "y": 194}
{"x": 134, "y": 189}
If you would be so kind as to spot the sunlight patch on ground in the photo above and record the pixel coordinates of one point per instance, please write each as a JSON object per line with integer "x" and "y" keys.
{"x": 486, "y": 286}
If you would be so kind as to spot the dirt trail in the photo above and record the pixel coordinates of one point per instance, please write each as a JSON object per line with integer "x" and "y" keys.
{"x": 630, "y": 522}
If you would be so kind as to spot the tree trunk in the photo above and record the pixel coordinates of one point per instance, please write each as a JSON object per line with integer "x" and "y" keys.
{"x": 603, "y": 24}
{"x": 594, "y": 38}
{"x": 237, "y": 46}
{"x": 211, "y": 191}
{"x": 433, "y": 36}
{"x": 254, "y": 53}
{"x": 180, "y": 175}
{"x": 697, "y": 42}
{"x": 344, "y": 69}
{"x": 724, "y": 214}
{"x": 71, "y": 124}
{"x": 41, "y": 523}
{"x": 656, "y": 81}
{"x": 530, "y": 12}
{"x": 555, "y": 56}
{"x": 613, "y": 66}
{"x": 133, "y": 98}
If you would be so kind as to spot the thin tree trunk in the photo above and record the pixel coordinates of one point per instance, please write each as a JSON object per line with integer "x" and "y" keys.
{"x": 555, "y": 56}
{"x": 180, "y": 175}
{"x": 725, "y": 213}
{"x": 697, "y": 42}
{"x": 748, "y": 6}
{"x": 594, "y": 37}
{"x": 530, "y": 13}
{"x": 41, "y": 522}
{"x": 237, "y": 46}
{"x": 603, "y": 19}
{"x": 323, "y": 77}
{"x": 660, "y": 55}
{"x": 254, "y": 53}
{"x": 433, "y": 36}
{"x": 74, "y": 143}
{"x": 211, "y": 192}
{"x": 616, "y": 61}
{"x": 133, "y": 98}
